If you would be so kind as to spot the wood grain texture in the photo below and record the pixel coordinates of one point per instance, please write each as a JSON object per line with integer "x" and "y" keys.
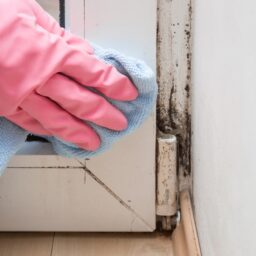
{"x": 112, "y": 244}
{"x": 26, "y": 244}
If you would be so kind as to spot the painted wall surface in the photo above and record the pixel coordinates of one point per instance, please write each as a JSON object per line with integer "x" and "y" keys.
{"x": 224, "y": 126}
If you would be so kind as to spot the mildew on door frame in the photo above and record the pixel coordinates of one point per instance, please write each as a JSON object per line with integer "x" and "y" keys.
{"x": 174, "y": 78}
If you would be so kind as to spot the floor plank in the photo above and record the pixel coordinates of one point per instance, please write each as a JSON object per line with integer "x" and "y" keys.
{"x": 115, "y": 244}
{"x": 85, "y": 244}
{"x": 26, "y": 244}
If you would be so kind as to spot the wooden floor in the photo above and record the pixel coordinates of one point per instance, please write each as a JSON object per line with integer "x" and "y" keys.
{"x": 85, "y": 244}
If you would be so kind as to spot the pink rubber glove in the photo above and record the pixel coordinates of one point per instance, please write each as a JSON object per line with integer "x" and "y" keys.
{"x": 44, "y": 73}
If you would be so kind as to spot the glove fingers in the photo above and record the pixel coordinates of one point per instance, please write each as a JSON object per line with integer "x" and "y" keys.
{"x": 83, "y": 66}
{"x": 28, "y": 123}
{"x": 83, "y": 103}
{"x": 60, "y": 123}
{"x": 89, "y": 71}
{"x": 52, "y": 55}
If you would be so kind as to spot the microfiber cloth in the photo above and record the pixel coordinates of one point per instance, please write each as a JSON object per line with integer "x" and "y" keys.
{"x": 136, "y": 111}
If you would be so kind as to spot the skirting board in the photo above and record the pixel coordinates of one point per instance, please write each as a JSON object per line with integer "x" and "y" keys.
{"x": 185, "y": 238}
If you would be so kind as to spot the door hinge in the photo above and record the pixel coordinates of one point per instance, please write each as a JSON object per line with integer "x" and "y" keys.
{"x": 167, "y": 181}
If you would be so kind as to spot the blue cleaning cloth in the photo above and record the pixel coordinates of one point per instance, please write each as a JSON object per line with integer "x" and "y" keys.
{"x": 136, "y": 111}
{"x": 12, "y": 139}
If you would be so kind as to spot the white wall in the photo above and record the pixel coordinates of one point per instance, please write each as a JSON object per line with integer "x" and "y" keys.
{"x": 224, "y": 126}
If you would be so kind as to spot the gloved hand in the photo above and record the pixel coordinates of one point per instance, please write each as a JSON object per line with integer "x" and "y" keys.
{"x": 44, "y": 74}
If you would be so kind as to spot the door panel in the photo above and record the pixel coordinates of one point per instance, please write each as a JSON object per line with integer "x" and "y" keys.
{"x": 111, "y": 192}
{"x": 52, "y": 7}
{"x": 62, "y": 200}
